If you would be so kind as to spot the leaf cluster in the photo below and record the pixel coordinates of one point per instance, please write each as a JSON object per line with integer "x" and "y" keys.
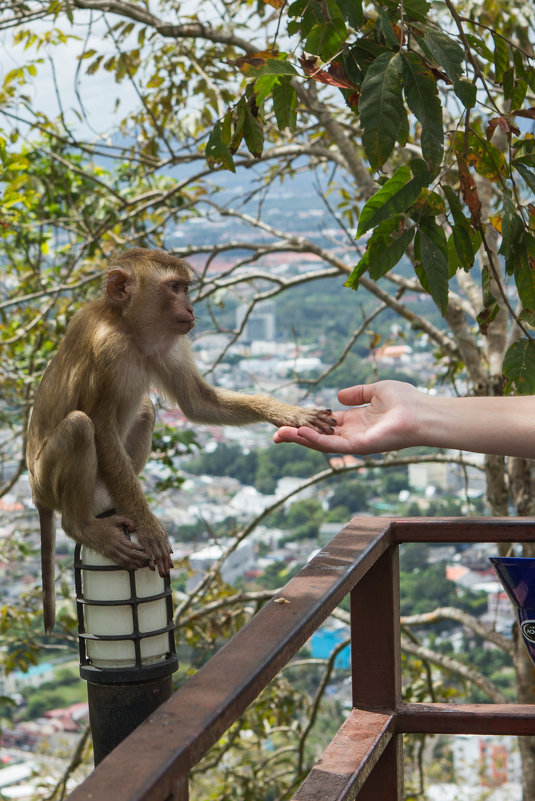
{"x": 457, "y": 89}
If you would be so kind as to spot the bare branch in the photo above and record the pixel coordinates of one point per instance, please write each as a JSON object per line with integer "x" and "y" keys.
{"x": 451, "y": 665}
{"x": 192, "y": 30}
{"x": 467, "y": 620}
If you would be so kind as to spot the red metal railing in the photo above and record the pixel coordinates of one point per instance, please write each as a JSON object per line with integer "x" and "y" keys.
{"x": 364, "y": 760}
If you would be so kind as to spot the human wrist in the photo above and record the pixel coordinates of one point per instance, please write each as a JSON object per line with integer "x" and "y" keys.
{"x": 430, "y": 416}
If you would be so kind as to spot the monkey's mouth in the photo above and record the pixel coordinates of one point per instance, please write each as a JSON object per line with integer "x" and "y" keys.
{"x": 189, "y": 321}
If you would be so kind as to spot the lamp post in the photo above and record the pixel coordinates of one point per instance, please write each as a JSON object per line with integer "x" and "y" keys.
{"x": 127, "y": 645}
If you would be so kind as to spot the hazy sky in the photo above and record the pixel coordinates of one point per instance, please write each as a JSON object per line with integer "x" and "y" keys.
{"x": 98, "y": 91}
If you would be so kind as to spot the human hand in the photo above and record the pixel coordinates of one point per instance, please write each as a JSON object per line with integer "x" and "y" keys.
{"x": 385, "y": 417}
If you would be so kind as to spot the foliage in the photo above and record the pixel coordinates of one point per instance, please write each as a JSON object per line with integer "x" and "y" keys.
{"x": 262, "y": 468}
{"x": 453, "y": 87}
{"x": 425, "y": 589}
{"x": 412, "y": 124}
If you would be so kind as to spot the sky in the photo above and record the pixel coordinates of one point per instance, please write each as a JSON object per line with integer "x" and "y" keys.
{"x": 99, "y": 91}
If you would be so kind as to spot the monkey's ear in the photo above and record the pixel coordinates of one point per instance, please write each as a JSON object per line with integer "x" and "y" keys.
{"x": 119, "y": 285}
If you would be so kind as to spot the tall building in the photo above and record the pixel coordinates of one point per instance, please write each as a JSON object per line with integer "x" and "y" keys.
{"x": 261, "y": 322}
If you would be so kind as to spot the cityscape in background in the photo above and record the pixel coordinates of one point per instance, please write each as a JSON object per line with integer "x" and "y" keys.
{"x": 270, "y": 352}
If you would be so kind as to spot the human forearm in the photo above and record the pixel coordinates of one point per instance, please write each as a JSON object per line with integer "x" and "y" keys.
{"x": 391, "y": 415}
{"x": 499, "y": 425}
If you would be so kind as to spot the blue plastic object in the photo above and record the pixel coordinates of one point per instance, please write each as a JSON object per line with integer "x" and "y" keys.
{"x": 517, "y": 574}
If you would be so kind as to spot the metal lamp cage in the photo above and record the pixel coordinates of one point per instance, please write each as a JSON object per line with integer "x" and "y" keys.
{"x": 139, "y": 652}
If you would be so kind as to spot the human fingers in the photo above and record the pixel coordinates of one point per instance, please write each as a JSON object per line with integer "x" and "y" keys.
{"x": 310, "y": 438}
{"x": 357, "y": 395}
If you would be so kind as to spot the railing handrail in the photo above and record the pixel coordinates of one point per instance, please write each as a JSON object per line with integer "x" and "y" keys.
{"x": 152, "y": 764}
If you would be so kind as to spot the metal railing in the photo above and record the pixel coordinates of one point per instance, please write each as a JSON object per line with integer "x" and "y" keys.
{"x": 364, "y": 759}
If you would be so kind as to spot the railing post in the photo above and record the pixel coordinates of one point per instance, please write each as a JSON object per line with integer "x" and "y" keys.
{"x": 376, "y": 665}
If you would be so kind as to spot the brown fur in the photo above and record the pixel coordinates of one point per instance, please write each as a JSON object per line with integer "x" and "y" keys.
{"x": 91, "y": 427}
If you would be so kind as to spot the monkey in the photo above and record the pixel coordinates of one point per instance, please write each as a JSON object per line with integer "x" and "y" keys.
{"x": 90, "y": 430}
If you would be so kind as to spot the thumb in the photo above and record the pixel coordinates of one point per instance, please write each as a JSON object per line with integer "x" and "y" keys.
{"x": 357, "y": 395}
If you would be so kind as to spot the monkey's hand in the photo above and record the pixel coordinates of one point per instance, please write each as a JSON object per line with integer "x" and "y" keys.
{"x": 153, "y": 538}
{"x": 320, "y": 419}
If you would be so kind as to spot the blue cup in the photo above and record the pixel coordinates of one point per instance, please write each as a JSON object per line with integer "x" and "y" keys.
{"x": 517, "y": 574}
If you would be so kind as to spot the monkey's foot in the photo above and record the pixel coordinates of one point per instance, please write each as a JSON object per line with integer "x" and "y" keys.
{"x": 108, "y": 535}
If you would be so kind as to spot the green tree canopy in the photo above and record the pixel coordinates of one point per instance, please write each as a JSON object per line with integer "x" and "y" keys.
{"x": 412, "y": 120}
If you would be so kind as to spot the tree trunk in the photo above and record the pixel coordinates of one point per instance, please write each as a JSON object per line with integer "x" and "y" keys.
{"x": 525, "y": 683}
{"x": 521, "y": 483}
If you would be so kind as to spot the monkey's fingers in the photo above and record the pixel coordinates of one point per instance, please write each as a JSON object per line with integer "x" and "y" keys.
{"x": 129, "y": 554}
{"x": 323, "y": 421}
{"x": 123, "y": 522}
{"x": 164, "y": 565}
{"x": 159, "y": 551}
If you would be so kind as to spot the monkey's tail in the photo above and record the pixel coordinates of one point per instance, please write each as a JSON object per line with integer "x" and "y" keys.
{"x": 48, "y": 565}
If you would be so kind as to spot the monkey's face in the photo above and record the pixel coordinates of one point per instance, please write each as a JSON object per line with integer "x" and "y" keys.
{"x": 175, "y": 304}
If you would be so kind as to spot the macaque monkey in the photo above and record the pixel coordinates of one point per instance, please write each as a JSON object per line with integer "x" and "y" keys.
{"x": 90, "y": 431}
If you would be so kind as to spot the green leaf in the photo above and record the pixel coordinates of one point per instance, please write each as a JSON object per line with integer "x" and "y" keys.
{"x": 358, "y": 271}
{"x": 239, "y": 125}
{"x": 381, "y": 108}
{"x": 461, "y": 231}
{"x": 323, "y": 40}
{"x": 524, "y": 271}
{"x": 513, "y": 243}
{"x": 466, "y": 91}
{"x": 508, "y": 80}
{"x": 396, "y": 195}
{"x": 450, "y": 56}
{"x": 263, "y": 87}
{"x": 386, "y": 252}
{"x": 352, "y": 11}
{"x": 328, "y": 32}
{"x": 217, "y": 153}
{"x": 518, "y": 95}
{"x": 285, "y": 105}
{"x": 519, "y": 367}
{"x": 479, "y": 46}
{"x": 226, "y": 128}
{"x": 434, "y": 258}
{"x": 274, "y": 66}
{"x": 484, "y": 156}
{"x": 490, "y": 305}
{"x": 527, "y": 174}
{"x": 385, "y": 29}
{"x": 463, "y": 246}
{"x": 501, "y": 56}
{"x": 253, "y": 133}
{"x": 422, "y": 98}
{"x": 416, "y": 9}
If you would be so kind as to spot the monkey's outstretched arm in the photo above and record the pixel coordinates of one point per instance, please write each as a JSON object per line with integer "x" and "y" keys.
{"x": 203, "y": 403}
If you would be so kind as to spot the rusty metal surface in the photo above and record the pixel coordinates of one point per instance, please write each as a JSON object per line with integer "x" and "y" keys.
{"x": 349, "y": 758}
{"x": 152, "y": 764}
{"x": 385, "y": 782}
{"x": 375, "y": 636}
{"x": 463, "y": 529}
{"x": 146, "y": 766}
{"x": 513, "y": 719}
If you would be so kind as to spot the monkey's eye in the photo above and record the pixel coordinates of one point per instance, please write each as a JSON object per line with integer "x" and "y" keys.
{"x": 176, "y": 286}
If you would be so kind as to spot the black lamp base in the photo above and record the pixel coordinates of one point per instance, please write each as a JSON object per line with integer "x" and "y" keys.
{"x": 115, "y": 710}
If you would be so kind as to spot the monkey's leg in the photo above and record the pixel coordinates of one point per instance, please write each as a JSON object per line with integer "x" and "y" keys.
{"x": 69, "y": 465}
{"x": 139, "y": 439}
{"x": 67, "y": 468}
{"x": 65, "y": 474}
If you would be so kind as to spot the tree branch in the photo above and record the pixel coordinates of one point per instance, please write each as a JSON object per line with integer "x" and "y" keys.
{"x": 467, "y": 620}
{"x": 451, "y": 665}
